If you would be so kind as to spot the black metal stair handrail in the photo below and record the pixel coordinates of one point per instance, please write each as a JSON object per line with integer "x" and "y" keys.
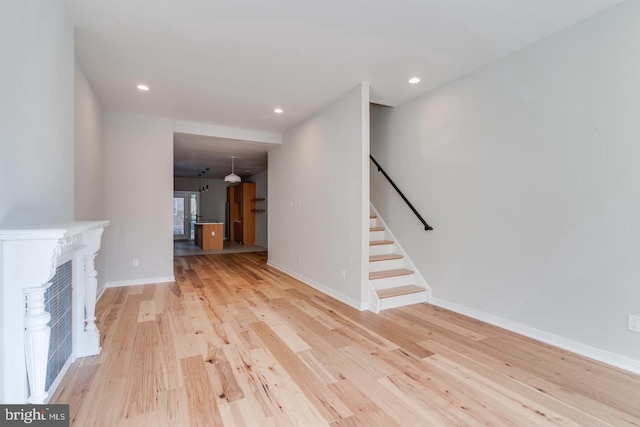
{"x": 427, "y": 227}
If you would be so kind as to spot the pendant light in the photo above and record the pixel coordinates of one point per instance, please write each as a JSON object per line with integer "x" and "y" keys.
{"x": 232, "y": 177}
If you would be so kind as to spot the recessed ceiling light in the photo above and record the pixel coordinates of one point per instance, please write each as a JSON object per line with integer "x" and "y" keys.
{"x": 143, "y": 87}
{"x": 278, "y": 111}
{"x": 414, "y": 80}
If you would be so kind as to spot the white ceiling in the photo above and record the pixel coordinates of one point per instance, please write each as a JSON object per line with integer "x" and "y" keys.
{"x": 232, "y": 62}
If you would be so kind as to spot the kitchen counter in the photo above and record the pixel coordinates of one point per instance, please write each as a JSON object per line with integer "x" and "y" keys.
{"x": 210, "y": 235}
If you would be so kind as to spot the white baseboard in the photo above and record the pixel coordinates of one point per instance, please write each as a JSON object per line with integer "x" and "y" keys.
{"x": 322, "y": 288}
{"x": 594, "y": 353}
{"x": 54, "y": 385}
{"x": 101, "y": 292}
{"x": 118, "y": 283}
{"x": 79, "y": 355}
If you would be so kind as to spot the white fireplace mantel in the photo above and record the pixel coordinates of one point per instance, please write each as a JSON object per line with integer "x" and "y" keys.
{"x": 28, "y": 261}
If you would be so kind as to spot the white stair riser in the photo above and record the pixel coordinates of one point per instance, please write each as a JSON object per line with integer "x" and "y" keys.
{"x": 375, "y": 302}
{"x": 381, "y": 249}
{"x": 402, "y": 300}
{"x": 376, "y": 235}
{"x": 390, "y": 264}
{"x": 393, "y": 282}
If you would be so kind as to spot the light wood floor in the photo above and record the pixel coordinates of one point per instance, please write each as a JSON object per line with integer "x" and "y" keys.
{"x": 236, "y": 343}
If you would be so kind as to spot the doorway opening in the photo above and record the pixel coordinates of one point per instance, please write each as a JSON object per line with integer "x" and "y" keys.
{"x": 185, "y": 215}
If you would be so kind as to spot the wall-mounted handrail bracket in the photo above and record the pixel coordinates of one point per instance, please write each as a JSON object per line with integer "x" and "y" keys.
{"x": 427, "y": 227}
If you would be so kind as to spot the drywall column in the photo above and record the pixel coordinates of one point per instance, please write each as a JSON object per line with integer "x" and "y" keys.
{"x": 318, "y": 192}
{"x": 139, "y": 197}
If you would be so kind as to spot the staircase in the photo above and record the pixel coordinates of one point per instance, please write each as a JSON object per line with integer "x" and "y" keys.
{"x": 394, "y": 281}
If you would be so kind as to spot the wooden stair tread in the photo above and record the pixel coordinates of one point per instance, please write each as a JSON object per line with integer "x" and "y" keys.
{"x": 380, "y": 242}
{"x": 400, "y": 290}
{"x": 384, "y": 257}
{"x": 389, "y": 273}
{"x": 372, "y": 217}
{"x": 376, "y": 228}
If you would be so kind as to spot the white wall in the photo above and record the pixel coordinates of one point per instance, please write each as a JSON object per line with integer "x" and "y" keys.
{"x": 261, "y": 180}
{"x": 36, "y": 118}
{"x": 212, "y": 202}
{"x": 528, "y": 171}
{"x": 138, "y": 198}
{"x": 36, "y": 113}
{"x": 89, "y": 150}
{"x": 318, "y": 189}
{"x": 89, "y": 159}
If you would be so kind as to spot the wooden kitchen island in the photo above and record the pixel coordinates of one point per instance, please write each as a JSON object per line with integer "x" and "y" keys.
{"x": 209, "y": 235}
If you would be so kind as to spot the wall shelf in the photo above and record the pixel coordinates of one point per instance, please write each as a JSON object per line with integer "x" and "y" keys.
{"x": 258, "y": 199}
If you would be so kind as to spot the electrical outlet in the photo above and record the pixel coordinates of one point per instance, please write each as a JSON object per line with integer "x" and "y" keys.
{"x": 343, "y": 273}
{"x": 634, "y": 323}
{"x": 135, "y": 262}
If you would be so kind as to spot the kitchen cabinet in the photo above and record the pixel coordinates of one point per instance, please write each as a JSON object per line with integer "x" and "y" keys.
{"x": 241, "y": 199}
